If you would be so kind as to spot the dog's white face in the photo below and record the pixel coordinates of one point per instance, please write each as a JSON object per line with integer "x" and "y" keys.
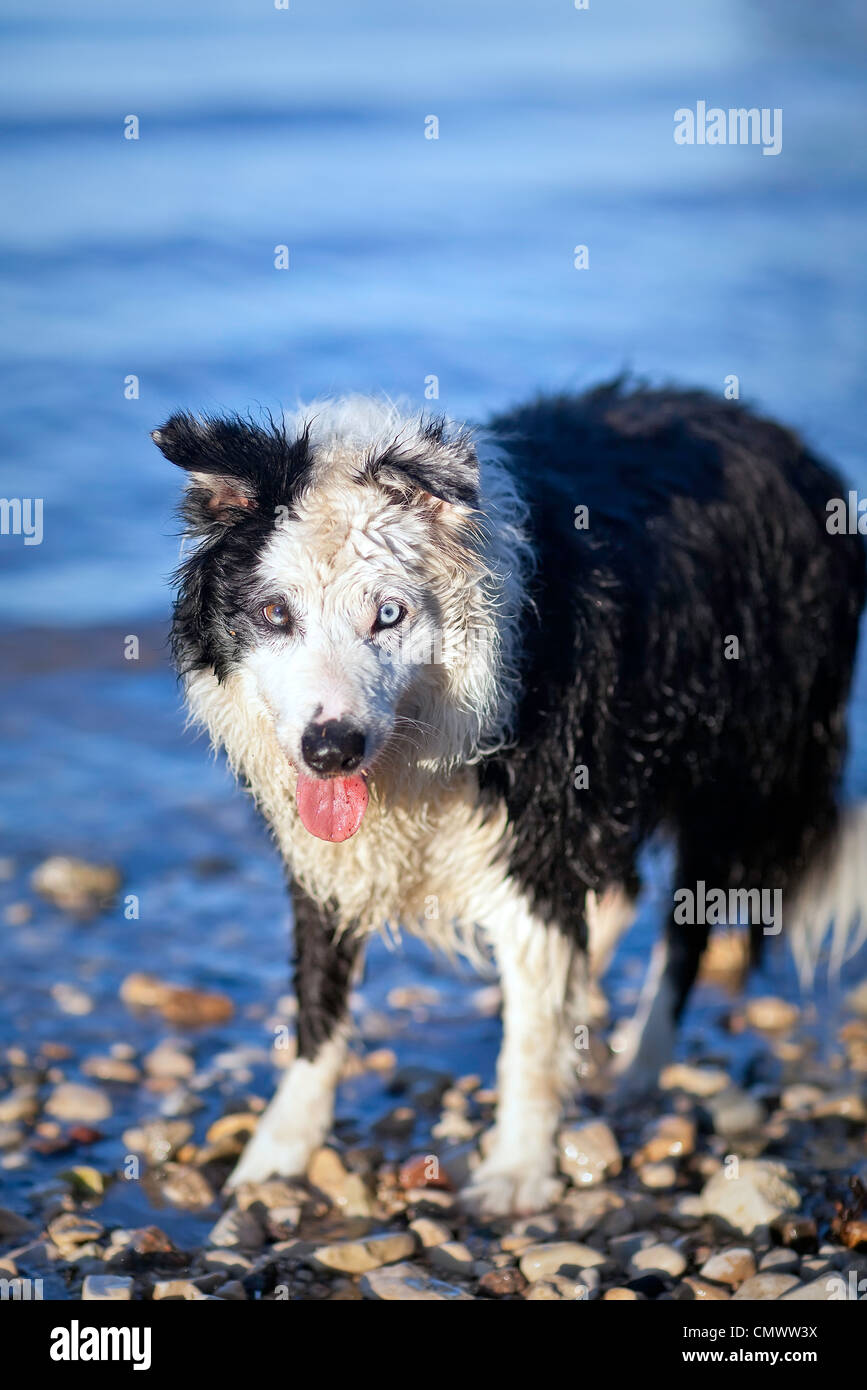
{"x": 349, "y": 597}
{"x": 349, "y": 576}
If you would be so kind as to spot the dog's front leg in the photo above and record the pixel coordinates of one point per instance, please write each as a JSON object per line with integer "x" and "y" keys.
{"x": 536, "y": 969}
{"x": 299, "y": 1117}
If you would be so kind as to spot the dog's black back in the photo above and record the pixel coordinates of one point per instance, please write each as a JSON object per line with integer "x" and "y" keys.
{"x": 705, "y": 524}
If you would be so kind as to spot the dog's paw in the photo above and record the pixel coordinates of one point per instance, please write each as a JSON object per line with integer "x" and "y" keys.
{"x": 498, "y": 1189}
{"x": 268, "y": 1156}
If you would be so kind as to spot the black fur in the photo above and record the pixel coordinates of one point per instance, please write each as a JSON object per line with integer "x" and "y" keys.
{"x": 244, "y": 473}
{"x": 704, "y": 521}
{"x": 323, "y": 972}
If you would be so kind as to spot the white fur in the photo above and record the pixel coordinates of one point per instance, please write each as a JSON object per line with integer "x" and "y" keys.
{"x": 297, "y": 1120}
{"x": 535, "y": 1064}
{"x": 831, "y": 905}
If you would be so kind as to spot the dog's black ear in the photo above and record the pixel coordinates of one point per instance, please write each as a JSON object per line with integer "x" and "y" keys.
{"x": 216, "y": 454}
{"x": 442, "y": 466}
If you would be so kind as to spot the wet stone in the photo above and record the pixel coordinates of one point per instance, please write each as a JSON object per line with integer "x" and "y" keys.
{"x": 750, "y": 1201}
{"x": 796, "y": 1233}
{"x": 730, "y": 1267}
{"x": 767, "y": 1286}
{"x": 658, "y": 1259}
{"x": 589, "y": 1153}
{"x": 360, "y": 1256}
{"x": 558, "y": 1257}
{"x": 72, "y": 1101}
{"x": 502, "y": 1283}
{"x": 411, "y": 1283}
{"x": 111, "y": 1288}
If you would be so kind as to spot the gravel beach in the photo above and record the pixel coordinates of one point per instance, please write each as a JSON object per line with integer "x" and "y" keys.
{"x": 733, "y": 1182}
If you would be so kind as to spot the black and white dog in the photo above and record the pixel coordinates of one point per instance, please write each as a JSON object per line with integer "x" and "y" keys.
{"x": 466, "y": 676}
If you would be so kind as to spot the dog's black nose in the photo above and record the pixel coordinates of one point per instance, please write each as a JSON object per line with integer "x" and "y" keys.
{"x": 332, "y": 748}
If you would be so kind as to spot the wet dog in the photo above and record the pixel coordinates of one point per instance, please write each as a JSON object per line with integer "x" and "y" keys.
{"x": 467, "y": 675}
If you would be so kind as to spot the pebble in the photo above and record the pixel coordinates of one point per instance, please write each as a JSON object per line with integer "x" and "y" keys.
{"x": 657, "y": 1176}
{"x": 583, "y": 1209}
{"x": 188, "y": 1008}
{"x": 18, "y": 914}
{"x": 424, "y": 1170}
{"x": 410, "y": 1283}
{"x": 73, "y": 1101}
{"x": 110, "y": 1069}
{"x": 21, "y": 1103}
{"x": 765, "y": 1286}
{"x": 770, "y": 1014}
{"x": 359, "y": 1256}
{"x": 701, "y": 1291}
{"x": 781, "y": 1261}
{"x": 345, "y": 1190}
{"x": 671, "y": 1136}
{"x": 70, "y": 999}
{"x": 71, "y": 1230}
{"x": 452, "y": 1257}
{"x": 170, "y": 1058}
{"x": 114, "y": 1288}
{"x": 237, "y": 1228}
{"x": 429, "y": 1232}
{"x": 620, "y": 1295}
{"x": 231, "y": 1132}
{"x": 797, "y": 1233}
{"x": 658, "y": 1258}
{"x": 801, "y": 1096}
{"x": 557, "y": 1257}
{"x": 696, "y": 1081}
{"x": 730, "y": 1266}
{"x": 847, "y": 1105}
{"x": 184, "y": 1186}
{"x": 589, "y": 1153}
{"x": 502, "y": 1283}
{"x": 853, "y": 1234}
{"x": 177, "y": 1289}
{"x": 735, "y": 1113}
{"x": 761, "y": 1192}
{"x": 75, "y": 885}
{"x": 158, "y": 1140}
{"x": 230, "y": 1262}
{"x": 12, "y": 1136}
{"x": 823, "y": 1288}
{"x": 543, "y": 1290}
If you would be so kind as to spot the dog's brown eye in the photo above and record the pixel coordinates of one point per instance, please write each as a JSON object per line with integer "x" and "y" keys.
{"x": 277, "y": 614}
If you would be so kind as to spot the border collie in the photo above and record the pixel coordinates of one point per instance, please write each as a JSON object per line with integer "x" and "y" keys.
{"x": 466, "y": 676}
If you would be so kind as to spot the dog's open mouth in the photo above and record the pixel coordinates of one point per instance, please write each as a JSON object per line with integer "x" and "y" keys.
{"x": 331, "y": 808}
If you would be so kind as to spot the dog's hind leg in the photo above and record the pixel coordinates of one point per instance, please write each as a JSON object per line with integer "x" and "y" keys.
{"x": 537, "y": 967}
{"x": 299, "y": 1117}
{"x": 647, "y": 1042}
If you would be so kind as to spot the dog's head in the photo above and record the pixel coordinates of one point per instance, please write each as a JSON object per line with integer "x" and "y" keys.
{"x": 342, "y": 565}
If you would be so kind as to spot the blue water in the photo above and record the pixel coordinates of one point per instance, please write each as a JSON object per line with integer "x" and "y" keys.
{"x": 408, "y": 258}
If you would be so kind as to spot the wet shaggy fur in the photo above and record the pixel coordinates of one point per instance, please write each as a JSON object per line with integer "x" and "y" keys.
{"x": 513, "y": 780}
{"x": 704, "y": 523}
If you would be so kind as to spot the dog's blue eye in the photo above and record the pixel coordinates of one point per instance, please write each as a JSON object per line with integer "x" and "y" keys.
{"x": 389, "y": 615}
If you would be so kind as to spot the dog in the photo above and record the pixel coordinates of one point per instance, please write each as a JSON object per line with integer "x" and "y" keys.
{"x": 467, "y": 675}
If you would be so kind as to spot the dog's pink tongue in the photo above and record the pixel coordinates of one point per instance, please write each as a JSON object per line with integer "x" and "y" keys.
{"x": 331, "y": 808}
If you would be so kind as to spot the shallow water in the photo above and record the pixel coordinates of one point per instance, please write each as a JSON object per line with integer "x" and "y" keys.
{"x": 408, "y": 258}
